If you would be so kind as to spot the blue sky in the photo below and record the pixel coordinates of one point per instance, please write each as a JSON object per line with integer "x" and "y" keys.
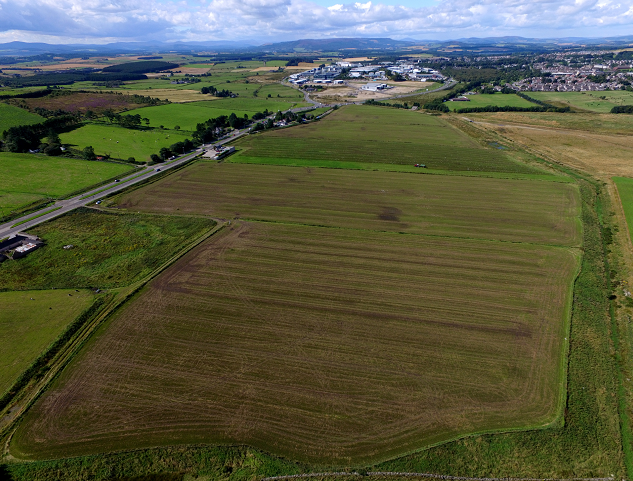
{"x": 261, "y": 21}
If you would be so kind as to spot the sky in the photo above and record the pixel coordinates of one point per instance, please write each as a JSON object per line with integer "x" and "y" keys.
{"x": 262, "y": 21}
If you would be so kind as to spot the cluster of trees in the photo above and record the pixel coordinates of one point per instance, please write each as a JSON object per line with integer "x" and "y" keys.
{"x": 179, "y": 148}
{"x": 143, "y": 66}
{"x": 295, "y": 61}
{"x": 27, "y": 137}
{"x": 395, "y": 76}
{"x": 507, "y": 108}
{"x": 127, "y": 121}
{"x": 547, "y": 107}
{"x": 47, "y": 79}
{"x": 214, "y": 128}
{"x": 622, "y": 109}
{"x": 215, "y": 92}
{"x": 395, "y": 105}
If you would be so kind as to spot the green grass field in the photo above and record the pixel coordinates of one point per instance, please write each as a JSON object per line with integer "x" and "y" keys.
{"x": 189, "y": 114}
{"x": 111, "y": 250}
{"x": 250, "y": 105}
{"x": 11, "y": 116}
{"x": 29, "y": 322}
{"x": 601, "y": 102}
{"x": 27, "y": 178}
{"x": 498, "y": 100}
{"x": 380, "y": 135}
{"x": 123, "y": 143}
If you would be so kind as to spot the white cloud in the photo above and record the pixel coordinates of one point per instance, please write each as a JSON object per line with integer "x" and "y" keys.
{"x": 290, "y": 19}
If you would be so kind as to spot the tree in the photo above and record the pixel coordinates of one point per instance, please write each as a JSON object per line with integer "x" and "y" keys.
{"x": 176, "y": 127}
{"x": 155, "y": 158}
{"x": 164, "y": 153}
{"x": 131, "y": 159}
{"x": 89, "y": 153}
{"x": 109, "y": 114}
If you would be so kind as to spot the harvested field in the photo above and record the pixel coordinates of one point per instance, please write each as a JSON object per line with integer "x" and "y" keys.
{"x": 325, "y": 345}
{"x": 595, "y": 152}
{"x": 29, "y": 322}
{"x": 382, "y": 135}
{"x": 475, "y": 207}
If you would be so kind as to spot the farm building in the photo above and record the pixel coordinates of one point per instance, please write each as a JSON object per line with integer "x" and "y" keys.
{"x": 21, "y": 245}
{"x": 218, "y": 153}
{"x": 374, "y": 87}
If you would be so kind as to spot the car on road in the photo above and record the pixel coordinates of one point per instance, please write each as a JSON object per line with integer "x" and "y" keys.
{"x": 157, "y": 170}
{"x": 98, "y": 202}
{"x": 117, "y": 180}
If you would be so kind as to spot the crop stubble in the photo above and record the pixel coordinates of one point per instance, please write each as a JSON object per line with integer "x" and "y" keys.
{"x": 483, "y": 208}
{"x": 326, "y": 345}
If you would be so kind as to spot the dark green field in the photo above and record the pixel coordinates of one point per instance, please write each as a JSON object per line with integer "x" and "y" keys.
{"x": 380, "y": 135}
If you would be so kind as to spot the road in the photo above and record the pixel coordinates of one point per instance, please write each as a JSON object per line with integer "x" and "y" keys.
{"x": 62, "y": 206}
{"x": 91, "y": 196}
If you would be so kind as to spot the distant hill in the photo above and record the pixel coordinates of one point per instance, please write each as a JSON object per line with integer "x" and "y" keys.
{"x": 506, "y": 44}
{"x": 335, "y": 44}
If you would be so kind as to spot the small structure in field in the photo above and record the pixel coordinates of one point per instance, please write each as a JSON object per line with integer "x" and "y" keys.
{"x": 19, "y": 246}
{"x": 217, "y": 153}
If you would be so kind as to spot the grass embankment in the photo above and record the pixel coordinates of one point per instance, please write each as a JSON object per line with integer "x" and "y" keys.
{"x": 110, "y": 250}
{"x": 29, "y": 322}
{"x": 625, "y": 190}
{"x": 380, "y": 135}
{"x": 29, "y": 178}
{"x": 122, "y": 143}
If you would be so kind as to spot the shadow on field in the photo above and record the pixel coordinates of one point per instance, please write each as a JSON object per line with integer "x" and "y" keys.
{"x": 4, "y": 473}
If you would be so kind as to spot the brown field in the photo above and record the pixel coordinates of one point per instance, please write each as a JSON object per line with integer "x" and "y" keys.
{"x": 81, "y": 102}
{"x": 173, "y": 95}
{"x": 354, "y": 91}
{"x": 333, "y": 346}
{"x": 598, "y": 152}
{"x": 483, "y": 208}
